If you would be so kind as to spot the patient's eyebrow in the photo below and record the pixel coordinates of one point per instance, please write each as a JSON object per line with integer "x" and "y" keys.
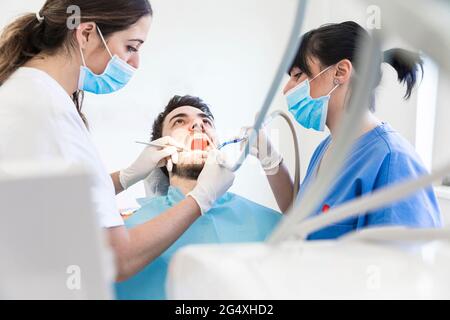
{"x": 184, "y": 115}
{"x": 180, "y": 115}
{"x": 204, "y": 115}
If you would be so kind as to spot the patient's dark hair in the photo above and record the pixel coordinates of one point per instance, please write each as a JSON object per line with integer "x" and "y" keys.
{"x": 174, "y": 103}
{"x": 332, "y": 43}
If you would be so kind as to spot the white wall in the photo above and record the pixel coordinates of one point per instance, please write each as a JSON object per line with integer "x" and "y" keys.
{"x": 441, "y": 152}
{"x": 12, "y": 10}
{"x": 442, "y": 132}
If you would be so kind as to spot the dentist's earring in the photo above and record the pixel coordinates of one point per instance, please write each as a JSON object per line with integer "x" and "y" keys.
{"x": 336, "y": 82}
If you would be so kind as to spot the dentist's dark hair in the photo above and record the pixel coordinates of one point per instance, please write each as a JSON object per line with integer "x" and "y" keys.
{"x": 332, "y": 43}
{"x": 28, "y": 37}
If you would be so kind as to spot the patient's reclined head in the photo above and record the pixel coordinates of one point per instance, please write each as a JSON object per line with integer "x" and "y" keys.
{"x": 188, "y": 120}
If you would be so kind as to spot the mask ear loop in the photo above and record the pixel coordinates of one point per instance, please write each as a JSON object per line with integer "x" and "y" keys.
{"x": 81, "y": 76}
{"x": 321, "y": 72}
{"x": 336, "y": 82}
{"x": 82, "y": 57}
{"x": 104, "y": 42}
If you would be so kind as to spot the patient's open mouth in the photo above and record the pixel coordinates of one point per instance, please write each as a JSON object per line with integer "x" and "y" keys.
{"x": 200, "y": 142}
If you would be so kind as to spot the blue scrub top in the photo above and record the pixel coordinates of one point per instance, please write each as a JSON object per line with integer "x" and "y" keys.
{"x": 232, "y": 219}
{"x": 378, "y": 158}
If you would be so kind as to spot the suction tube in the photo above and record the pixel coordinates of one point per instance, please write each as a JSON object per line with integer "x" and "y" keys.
{"x": 297, "y": 175}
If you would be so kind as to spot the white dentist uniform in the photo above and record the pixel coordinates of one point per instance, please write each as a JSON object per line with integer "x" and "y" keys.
{"x": 39, "y": 122}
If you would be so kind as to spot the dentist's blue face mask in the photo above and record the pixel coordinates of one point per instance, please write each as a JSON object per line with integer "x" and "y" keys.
{"x": 309, "y": 112}
{"x": 116, "y": 75}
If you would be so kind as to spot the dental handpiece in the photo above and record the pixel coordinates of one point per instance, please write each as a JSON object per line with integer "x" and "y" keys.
{"x": 231, "y": 142}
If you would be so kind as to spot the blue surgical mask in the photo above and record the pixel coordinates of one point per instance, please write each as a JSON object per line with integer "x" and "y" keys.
{"x": 309, "y": 112}
{"x": 116, "y": 75}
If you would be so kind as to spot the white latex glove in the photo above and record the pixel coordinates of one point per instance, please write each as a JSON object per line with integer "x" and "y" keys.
{"x": 151, "y": 158}
{"x": 212, "y": 183}
{"x": 262, "y": 149}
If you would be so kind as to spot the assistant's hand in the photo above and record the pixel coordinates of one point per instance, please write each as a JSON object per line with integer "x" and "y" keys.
{"x": 263, "y": 149}
{"x": 212, "y": 183}
{"x": 151, "y": 158}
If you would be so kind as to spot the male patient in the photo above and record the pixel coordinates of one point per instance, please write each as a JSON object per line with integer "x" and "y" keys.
{"x": 232, "y": 219}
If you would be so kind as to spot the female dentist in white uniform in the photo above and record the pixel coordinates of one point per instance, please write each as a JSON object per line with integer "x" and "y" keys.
{"x": 44, "y": 69}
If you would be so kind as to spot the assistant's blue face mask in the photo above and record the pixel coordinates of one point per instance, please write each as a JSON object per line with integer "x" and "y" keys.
{"x": 116, "y": 75}
{"x": 309, "y": 112}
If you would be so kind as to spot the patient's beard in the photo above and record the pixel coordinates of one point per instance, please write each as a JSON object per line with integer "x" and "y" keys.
{"x": 187, "y": 171}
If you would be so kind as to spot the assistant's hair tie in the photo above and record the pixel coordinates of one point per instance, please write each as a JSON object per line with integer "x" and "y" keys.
{"x": 39, "y": 17}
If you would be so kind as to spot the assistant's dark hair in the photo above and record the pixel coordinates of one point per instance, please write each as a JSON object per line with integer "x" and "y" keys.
{"x": 332, "y": 43}
{"x": 27, "y": 37}
{"x": 174, "y": 103}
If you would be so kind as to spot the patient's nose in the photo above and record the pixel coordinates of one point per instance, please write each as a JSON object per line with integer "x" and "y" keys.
{"x": 198, "y": 126}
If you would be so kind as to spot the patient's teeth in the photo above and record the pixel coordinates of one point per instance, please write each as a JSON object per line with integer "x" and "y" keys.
{"x": 199, "y": 142}
{"x": 198, "y": 136}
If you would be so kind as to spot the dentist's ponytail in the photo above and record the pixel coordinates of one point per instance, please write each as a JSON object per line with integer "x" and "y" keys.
{"x": 18, "y": 44}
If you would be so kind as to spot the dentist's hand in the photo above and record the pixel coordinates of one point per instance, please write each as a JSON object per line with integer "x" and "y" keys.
{"x": 151, "y": 158}
{"x": 263, "y": 150}
{"x": 212, "y": 183}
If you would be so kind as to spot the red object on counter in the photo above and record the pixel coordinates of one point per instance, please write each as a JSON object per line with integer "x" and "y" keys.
{"x": 325, "y": 208}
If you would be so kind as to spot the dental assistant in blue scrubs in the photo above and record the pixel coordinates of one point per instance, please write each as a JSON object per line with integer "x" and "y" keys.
{"x": 316, "y": 94}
